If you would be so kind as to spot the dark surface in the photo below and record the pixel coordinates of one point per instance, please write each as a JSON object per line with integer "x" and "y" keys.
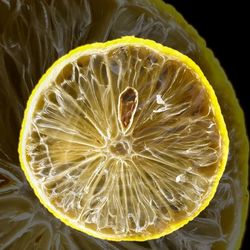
{"x": 224, "y": 28}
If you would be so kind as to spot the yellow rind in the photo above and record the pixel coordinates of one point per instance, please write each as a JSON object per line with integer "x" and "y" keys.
{"x": 161, "y": 49}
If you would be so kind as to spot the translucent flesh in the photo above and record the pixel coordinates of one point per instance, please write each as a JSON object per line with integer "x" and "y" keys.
{"x": 33, "y": 34}
{"x": 117, "y": 134}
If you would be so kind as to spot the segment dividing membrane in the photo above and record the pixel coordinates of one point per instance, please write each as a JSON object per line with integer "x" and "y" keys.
{"x": 124, "y": 142}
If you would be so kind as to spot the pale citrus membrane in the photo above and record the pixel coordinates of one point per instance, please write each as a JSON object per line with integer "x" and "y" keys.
{"x": 124, "y": 140}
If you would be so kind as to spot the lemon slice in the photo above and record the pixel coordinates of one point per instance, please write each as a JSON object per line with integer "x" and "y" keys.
{"x": 124, "y": 140}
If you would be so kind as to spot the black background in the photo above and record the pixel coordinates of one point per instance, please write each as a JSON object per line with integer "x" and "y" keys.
{"x": 223, "y": 24}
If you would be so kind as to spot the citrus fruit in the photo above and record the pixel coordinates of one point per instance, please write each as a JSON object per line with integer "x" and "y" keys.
{"x": 33, "y": 34}
{"x": 124, "y": 140}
